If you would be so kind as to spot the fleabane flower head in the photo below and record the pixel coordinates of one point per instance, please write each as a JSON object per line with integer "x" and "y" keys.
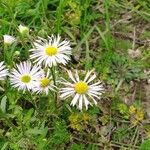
{"x": 23, "y": 30}
{"x": 8, "y": 39}
{"x": 25, "y": 76}
{"x": 51, "y": 52}
{"x": 3, "y": 71}
{"x": 44, "y": 84}
{"x": 82, "y": 91}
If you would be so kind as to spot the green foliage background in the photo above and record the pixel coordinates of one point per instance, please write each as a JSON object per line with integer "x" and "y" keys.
{"x": 101, "y": 34}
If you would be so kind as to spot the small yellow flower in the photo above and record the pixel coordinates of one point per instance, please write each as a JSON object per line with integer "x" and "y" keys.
{"x": 134, "y": 122}
{"x": 86, "y": 117}
{"x": 132, "y": 109}
{"x": 74, "y": 118}
{"x": 75, "y": 121}
{"x": 139, "y": 115}
{"x": 76, "y": 126}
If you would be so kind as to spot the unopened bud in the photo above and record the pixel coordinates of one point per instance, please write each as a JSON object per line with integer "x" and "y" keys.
{"x": 8, "y": 39}
{"x": 23, "y": 30}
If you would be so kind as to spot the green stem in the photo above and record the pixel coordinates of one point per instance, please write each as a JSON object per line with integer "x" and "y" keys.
{"x": 53, "y": 75}
{"x": 23, "y": 42}
{"x": 5, "y": 53}
{"x": 32, "y": 100}
{"x": 54, "y": 80}
{"x": 119, "y": 85}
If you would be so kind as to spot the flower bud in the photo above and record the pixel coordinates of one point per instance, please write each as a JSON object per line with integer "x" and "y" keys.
{"x": 17, "y": 53}
{"x": 8, "y": 39}
{"x": 23, "y": 30}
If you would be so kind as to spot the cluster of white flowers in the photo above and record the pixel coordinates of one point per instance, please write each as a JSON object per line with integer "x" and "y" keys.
{"x": 34, "y": 74}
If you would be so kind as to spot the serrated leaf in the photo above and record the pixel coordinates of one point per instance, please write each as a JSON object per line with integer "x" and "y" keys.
{"x": 28, "y": 116}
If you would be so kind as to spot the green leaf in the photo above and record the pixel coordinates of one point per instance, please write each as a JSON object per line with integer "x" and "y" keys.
{"x": 37, "y": 131}
{"x": 145, "y": 145}
{"x": 28, "y": 115}
{"x": 4, "y": 146}
{"x": 77, "y": 147}
{"x": 92, "y": 147}
{"x": 60, "y": 134}
{"x": 1, "y": 89}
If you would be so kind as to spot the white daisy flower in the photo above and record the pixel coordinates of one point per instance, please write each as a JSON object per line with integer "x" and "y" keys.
{"x": 3, "y": 71}
{"x": 44, "y": 84}
{"x": 25, "y": 76}
{"x": 8, "y": 39}
{"x": 83, "y": 91}
{"x": 50, "y": 52}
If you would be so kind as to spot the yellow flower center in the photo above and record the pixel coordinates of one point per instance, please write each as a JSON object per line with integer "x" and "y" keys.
{"x": 44, "y": 82}
{"x": 26, "y": 78}
{"x": 50, "y": 50}
{"x": 81, "y": 87}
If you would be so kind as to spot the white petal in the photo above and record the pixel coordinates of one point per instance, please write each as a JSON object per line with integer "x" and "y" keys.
{"x": 86, "y": 102}
{"x": 77, "y": 76}
{"x": 74, "y": 101}
{"x": 91, "y": 78}
{"x": 87, "y": 75}
{"x": 80, "y": 102}
{"x": 71, "y": 76}
{"x": 95, "y": 102}
{"x": 69, "y": 93}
